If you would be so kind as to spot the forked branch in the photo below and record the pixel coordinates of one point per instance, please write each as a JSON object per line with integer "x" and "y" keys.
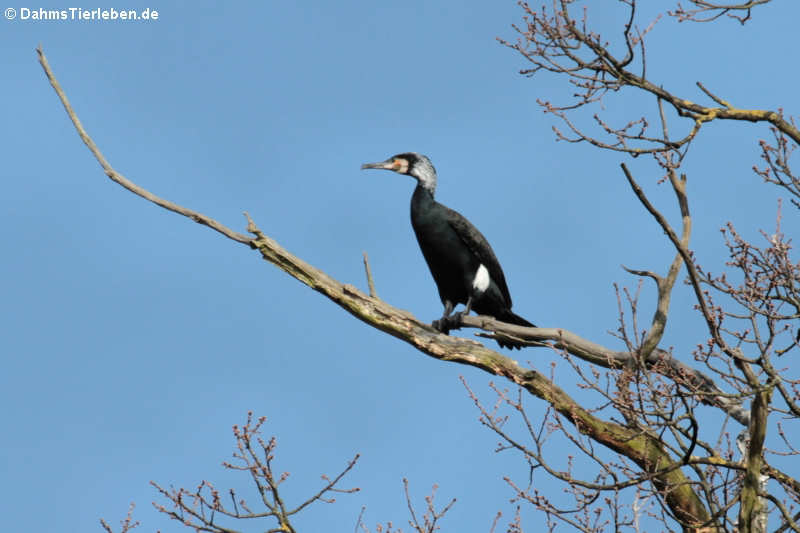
{"x": 557, "y": 42}
{"x": 205, "y": 508}
{"x": 705, "y": 11}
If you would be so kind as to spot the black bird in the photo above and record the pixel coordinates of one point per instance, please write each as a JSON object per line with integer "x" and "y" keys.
{"x": 462, "y": 263}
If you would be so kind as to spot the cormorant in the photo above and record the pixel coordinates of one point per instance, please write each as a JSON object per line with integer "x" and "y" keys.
{"x": 462, "y": 263}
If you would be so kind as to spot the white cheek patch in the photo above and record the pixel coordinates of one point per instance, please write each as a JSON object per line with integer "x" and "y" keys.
{"x": 481, "y": 281}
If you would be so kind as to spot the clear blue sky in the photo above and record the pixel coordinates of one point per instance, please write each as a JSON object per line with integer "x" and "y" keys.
{"x": 133, "y": 339}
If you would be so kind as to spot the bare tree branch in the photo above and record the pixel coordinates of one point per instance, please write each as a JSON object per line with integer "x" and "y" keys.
{"x": 203, "y": 508}
{"x": 705, "y": 11}
{"x": 558, "y": 43}
{"x": 119, "y": 178}
{"x": 749, "y": 320}
{"x": 126, "y": 525}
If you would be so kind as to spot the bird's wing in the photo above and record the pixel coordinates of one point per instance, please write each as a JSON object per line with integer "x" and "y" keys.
{"x": 479, "y": 246}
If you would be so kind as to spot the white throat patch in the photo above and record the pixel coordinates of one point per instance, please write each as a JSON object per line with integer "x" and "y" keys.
{"x": 482, "y": 279}
{"x": 423, "y": 170}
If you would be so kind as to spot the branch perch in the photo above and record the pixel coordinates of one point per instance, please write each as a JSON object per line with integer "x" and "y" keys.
{"x": 646, "y": 450}
{"x": 400, "y": 323}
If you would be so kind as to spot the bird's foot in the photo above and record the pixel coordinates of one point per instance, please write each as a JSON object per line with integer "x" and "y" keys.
{"x": 457, "y": 319}
{"x": 441, "y": 325}
{"x": 448, "y": 323}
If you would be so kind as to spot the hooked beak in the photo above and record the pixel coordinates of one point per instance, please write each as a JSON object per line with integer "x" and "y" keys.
{"x": 385, "y": 165}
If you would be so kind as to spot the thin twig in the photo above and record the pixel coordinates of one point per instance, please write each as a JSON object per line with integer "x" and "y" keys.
{"x": 370, "y": 281}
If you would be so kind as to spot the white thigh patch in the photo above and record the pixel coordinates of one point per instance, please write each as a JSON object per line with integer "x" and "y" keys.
{"x": 481, "y": 281}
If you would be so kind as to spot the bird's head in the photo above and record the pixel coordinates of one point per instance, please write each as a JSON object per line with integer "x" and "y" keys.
{"x": 415, "y": 165}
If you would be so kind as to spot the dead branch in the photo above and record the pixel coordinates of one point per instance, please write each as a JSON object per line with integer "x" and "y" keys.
{"x": 659, "y": 360}
{"x": 370, "y": 281}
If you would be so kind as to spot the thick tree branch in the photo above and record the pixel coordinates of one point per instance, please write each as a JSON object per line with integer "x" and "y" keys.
{"x": 751, "y": 511}
{"x": 658, "y": 360}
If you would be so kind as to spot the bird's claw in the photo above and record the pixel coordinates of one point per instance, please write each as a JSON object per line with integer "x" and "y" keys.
{"x": 456, "y": 320}
{"x": 441, "y": 325}
{"x": 447, "y": 323}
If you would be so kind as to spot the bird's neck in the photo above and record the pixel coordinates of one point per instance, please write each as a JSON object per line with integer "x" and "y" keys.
{"x": 422, "y": 194}
{"x": 427, "y": 183}
{"x": 421, "y": 201}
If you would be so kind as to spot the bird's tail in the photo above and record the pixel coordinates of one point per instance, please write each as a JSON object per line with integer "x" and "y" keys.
{"x": 512, "y": 318}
